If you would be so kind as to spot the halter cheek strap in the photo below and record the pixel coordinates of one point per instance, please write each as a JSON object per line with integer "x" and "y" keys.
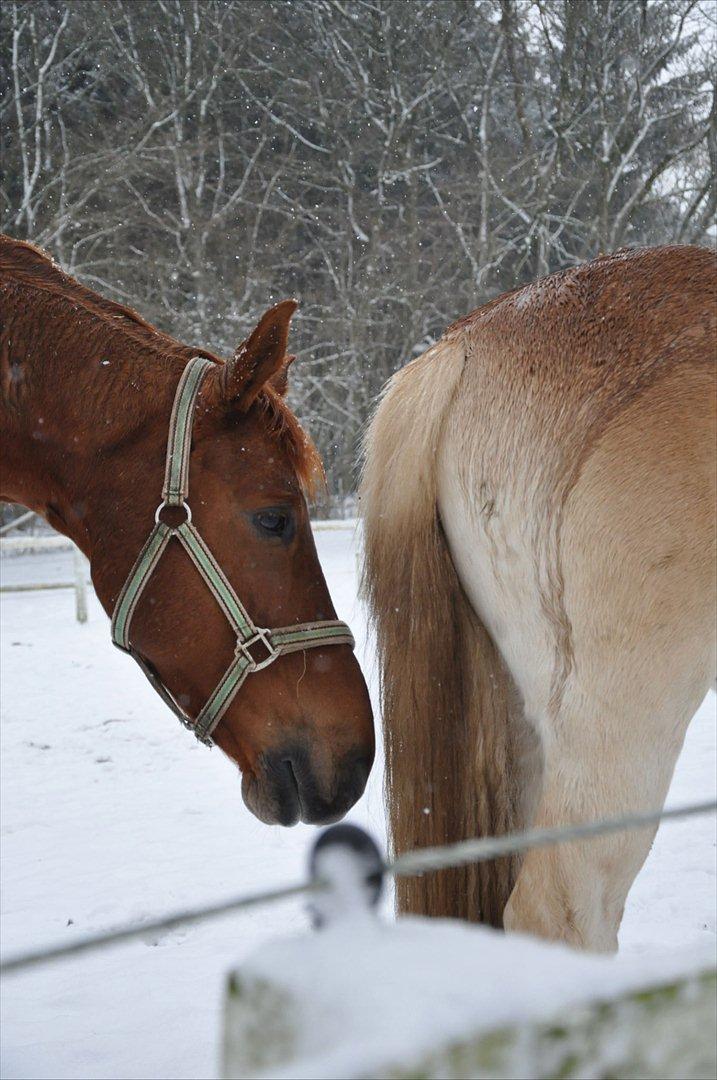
{"x": 256, "y": 647}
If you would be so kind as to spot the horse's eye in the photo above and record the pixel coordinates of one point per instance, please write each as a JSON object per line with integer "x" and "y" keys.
{"x": 273, "y": 522}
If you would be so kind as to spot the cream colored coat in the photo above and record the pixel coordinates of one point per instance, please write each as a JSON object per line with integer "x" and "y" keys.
{"x": 562, "y": 440}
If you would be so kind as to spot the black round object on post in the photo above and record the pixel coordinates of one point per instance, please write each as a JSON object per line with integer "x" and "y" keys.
{"x": 348, "y": 862}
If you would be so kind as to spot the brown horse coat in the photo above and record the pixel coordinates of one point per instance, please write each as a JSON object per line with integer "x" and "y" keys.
{"x": 86, "y": 393}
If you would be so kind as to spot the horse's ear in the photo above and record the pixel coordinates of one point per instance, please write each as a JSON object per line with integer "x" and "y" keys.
{"x": 280, "y": 381}
{"x": 260, "y": 358}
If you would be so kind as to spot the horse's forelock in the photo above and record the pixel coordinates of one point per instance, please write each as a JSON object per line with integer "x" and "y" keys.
{"x": 283, "y": 425}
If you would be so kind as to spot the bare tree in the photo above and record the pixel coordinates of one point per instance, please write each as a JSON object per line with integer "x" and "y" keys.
{"x": 392, "y": 163}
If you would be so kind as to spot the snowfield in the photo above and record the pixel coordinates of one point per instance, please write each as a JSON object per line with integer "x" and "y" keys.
{"x": 112, "y": 812}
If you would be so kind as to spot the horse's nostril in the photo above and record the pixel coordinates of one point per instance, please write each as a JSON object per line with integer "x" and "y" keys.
{"x": 282, "y": 781}
{"x": 290, "y": 766}
{"x": 292, "y": 777}
{"x": 286, "y": 767}
{"x": 290, "y": 787}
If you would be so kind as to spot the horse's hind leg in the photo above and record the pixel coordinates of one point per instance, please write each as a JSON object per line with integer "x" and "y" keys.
{"x": 637, "y": 561}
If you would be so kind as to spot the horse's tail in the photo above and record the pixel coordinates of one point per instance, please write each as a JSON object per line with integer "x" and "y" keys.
{"x": 446, "y": 695}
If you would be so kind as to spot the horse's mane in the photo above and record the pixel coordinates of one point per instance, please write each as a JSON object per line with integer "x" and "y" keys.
{"x": 33, "y": 267}
{"x": 39, "y": 270}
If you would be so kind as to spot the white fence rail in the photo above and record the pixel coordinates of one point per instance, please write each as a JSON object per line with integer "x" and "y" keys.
{"x": 36, "y": 545}
{"x": 10, "y": 526}
{"x": 33, "y": 545}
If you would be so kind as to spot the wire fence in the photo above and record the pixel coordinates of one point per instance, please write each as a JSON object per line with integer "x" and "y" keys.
{"x": 490, "y": 847}
{"x": 410, "y": 864}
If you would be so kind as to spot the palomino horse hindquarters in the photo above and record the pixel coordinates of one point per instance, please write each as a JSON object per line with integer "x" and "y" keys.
{"x": 554, "y": 545}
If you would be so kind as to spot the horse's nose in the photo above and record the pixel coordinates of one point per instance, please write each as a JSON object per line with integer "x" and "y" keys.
{"x": 318, "y": 797}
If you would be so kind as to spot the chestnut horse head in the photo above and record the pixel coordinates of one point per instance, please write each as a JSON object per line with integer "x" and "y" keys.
{"x": 87, "y": 393}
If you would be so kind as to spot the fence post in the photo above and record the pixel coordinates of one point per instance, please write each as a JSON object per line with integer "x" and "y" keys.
{"x": 80, "y": 587}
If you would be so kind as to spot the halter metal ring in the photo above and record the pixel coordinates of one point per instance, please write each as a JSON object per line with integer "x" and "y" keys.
{"x": 261, "y": 635}
{"x": 176, "y": 506}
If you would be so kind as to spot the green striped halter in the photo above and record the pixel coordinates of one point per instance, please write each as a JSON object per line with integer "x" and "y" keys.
{"x": 251, "y": 639}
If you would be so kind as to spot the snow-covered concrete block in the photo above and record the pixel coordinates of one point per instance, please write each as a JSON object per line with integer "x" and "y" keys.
{"x": 434, "y": 998}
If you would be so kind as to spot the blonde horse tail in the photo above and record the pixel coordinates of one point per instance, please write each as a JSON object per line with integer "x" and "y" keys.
{"x": 447, "y": 698}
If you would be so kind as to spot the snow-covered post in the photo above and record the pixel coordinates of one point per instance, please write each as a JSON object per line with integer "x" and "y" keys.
{"x": 441, "y": 998}
{"x": 261, "y": 1026}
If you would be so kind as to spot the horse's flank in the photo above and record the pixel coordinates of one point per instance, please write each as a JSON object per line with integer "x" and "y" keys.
{"x": 561, "y": 441}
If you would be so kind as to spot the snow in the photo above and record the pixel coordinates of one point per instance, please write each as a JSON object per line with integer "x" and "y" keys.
{"x": 364, "y": 994}
{"x": 110, "y": 812}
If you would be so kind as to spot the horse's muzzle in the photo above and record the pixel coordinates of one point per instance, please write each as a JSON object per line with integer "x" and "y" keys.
{"x": 287, "y": 788}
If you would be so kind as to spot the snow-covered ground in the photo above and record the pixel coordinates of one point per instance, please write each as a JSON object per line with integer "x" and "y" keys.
{"x": 111, "y": 812}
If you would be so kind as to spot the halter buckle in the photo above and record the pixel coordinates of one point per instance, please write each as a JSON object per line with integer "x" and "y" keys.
{"x": 244, "y": 647}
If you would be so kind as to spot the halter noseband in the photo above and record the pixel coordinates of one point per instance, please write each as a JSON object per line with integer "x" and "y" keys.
{"x": 271, "y": 643}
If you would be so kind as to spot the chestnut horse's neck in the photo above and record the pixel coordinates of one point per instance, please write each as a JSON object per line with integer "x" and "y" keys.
{"x": 87, "y": 386}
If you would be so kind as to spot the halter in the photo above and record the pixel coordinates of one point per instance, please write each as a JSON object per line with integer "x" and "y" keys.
{"x": 270, "y": 644}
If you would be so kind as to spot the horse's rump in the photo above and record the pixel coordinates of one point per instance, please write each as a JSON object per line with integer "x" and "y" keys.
{"x": 473, "y": 457}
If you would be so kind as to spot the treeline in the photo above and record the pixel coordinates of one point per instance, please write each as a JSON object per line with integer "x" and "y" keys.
{"x": 392, "y": 163}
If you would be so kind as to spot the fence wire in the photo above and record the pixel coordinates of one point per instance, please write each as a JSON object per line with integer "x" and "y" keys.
{"x": 423, "y": 860}
{"x": 412, "y": 863}
{"x": 155, "y": 926}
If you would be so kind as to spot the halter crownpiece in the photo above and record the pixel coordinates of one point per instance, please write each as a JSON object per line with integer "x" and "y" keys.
{"x": 256, "y": 646}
